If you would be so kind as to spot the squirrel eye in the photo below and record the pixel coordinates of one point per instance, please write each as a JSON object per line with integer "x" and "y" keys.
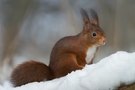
{"x": 94, "y": 34}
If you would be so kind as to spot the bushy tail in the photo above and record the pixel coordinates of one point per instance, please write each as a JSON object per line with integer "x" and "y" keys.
{"x": 31, "y": 71}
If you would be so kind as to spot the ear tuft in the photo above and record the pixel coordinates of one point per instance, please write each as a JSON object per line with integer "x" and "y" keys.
{"x": 85, "y": 16}
{"x": 84, "y": 13}
{"x": 94, "y": 17}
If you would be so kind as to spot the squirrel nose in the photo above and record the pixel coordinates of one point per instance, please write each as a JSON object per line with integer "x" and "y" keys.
{"x": 103, "y": 40}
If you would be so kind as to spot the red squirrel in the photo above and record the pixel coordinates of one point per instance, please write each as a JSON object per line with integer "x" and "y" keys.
{"x": 69, "y": 54}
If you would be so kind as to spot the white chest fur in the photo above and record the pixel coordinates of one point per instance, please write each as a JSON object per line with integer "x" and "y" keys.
{"x": 90, "y": 54}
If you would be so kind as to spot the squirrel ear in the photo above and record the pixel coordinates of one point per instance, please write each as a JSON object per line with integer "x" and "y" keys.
{"x": 86, "y": 19}
{"x": 94, "y": 17}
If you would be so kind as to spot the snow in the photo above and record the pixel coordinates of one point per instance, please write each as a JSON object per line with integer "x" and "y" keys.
{"x": 107, "y": 74}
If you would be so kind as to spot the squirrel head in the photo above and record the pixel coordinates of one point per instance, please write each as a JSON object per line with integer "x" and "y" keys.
{"x": 92, "y": 33}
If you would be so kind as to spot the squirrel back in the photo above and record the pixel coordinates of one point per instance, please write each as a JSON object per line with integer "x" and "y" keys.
{"x": 68, "y": 54}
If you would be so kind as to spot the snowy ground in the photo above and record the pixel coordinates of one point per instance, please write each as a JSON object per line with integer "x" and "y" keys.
{"x": 107, "y": 74}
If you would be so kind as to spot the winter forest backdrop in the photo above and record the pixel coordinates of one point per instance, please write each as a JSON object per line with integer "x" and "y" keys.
{"x": 30, "y": 28}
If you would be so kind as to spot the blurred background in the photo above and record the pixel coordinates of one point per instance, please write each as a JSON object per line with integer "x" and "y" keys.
{"x": 30, "y": 28}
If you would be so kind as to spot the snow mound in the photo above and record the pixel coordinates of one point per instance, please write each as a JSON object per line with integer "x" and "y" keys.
{"x": 107, "y": 74}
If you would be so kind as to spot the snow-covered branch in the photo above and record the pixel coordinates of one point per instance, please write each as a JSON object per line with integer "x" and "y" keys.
{"x": 108, "y": 74}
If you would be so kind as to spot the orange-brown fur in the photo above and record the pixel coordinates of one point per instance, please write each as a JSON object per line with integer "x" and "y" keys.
{"x": 29, "y": 71}
{"x": 67, "y": 55}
